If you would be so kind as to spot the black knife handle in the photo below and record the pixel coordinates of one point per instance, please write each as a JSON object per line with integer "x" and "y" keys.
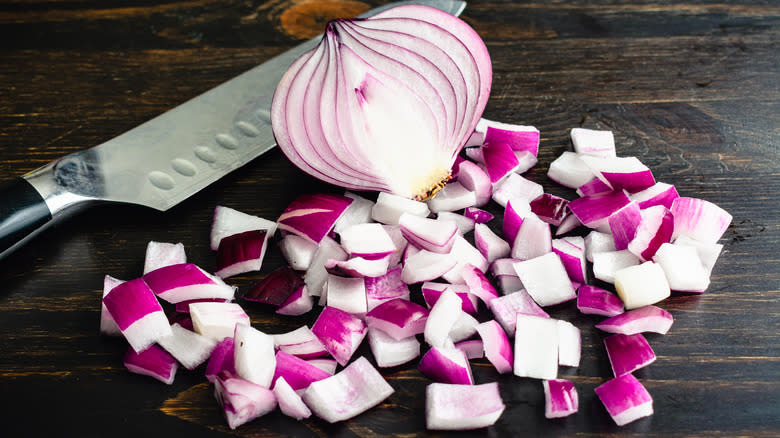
{"x": 23, "y": 211}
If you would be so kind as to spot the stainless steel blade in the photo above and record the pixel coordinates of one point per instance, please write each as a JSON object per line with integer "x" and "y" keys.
{"x": 169, "y": 158}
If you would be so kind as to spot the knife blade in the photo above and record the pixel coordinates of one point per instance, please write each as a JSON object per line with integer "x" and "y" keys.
{"x": 165, "y": 160}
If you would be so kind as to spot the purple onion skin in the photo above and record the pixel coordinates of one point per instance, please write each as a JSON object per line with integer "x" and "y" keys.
{"x": 240, "y": 247}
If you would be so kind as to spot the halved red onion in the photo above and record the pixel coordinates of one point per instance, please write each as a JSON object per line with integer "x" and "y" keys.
{"x": 298, "y": 303}
{"x": 478, "y": 215}
{"x": 536, "y": 347}
{"x": 462, "y": 407}
{"x": 276, "y": 287}
{"x": 550, "y": 208}
{"x": 474, "y": 178}
{"x": 254, "y": 355}
{"x": 560, "y": 398}
{"x": 137, "y": 313}
{"x": 389, "y": 208}
{"x": 699, "y": 219}
{"x": 623, "y": 224}
{"x": 217, "y": 320}
{"x": 628, "y": 353}
{"x": 242, "y": 401}
{"x": 454, "y": 196}
{"x": 607, "y": 263}
{"x": 186, "y": 281}
{"x": 498, "y": 349}
{"x": 390, "y": 352}
{"x": 515, "y": 187}
{"x": 683, "y": 268}
{"x": 412, "y": 81}
{"x": 446, "y": 364}
{"x": 153, "y": 362}
{"x": 432, "y": 291}
{"x": 290, "y": 403}
{"x": 228, "y": 221}
{"x": 312, "y": 216}
{"x": 107, "y": 324}
{"x": 386, "y": 287}
{"x": 625, "y": 399}
{"x": 490, "y": 244}
{"x": 221, "y": 359}
{"x": 189, "y": 348}
{"x": 593, "y": 300}
{"x": 398, "y": 318}
{"x": 658, "y": 194}
{"x": 644, "y": 319}
{"x": 340, "y": 332}
{"x": 296, "y": 372}
{"x": 621, "y": 173}
{"x": 641, "y": 285}
{"x": 593, "y": 142}
{"x": 594, "y": 211}
{"x": 569, "y": 344}
{"x": 159, "y": 254}
{"x": 655, "y": 229}
{"x": 352, "y": 391}
{"x": 569, "y": 170}
{"x": 506, "y": 308}
{"x": 297, "y": 251}
{"x": 571, "y": 250}
{"x": 546, "y": 280}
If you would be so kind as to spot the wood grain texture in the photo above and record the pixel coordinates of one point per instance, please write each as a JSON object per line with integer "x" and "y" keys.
{"x": 691, "y": 88}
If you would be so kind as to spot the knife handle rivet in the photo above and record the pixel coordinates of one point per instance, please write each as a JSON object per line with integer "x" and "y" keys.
{"x": 227, "y": 141}
{"x": 161, "y": 180}
{"x": 206, "y": 154}
{"x": 184, "y": 167}
{"x": 247, "y": 129}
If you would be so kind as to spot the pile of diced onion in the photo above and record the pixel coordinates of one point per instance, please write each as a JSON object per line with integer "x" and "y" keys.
{"x": 443, "y": 283}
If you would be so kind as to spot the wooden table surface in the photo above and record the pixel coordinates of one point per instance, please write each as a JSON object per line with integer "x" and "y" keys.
{"x": 691, "y": 88}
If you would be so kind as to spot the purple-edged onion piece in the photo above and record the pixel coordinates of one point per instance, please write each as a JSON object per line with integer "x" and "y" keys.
{"x": 312, "y": 216}
{"x": 628, "y": 353}
{"x": 384, "y": 103}
{"x": 153, "y": 362}
{"x": 644, "y": 319}
{"x": 340, "y": 332}
{"x": 241, "y": 400}
{"x": 625, "y": 398}
{"x": 446, "y": 365}
{"x": 560, "y": 398}
{"x": 462, "y": 407}
{"x": 593, "y": 300}
{"x": 137, "y": 313}
{"x": 498, "y": 349}
{"x": 398, "y": 318}
{"x": 186, "y": 281}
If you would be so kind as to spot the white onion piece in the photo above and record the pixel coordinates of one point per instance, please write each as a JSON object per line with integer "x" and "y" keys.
{"x": 153, "y": 362}
{"x": 228, "y": 221}
{"x": 432, "y": 292}
{"x": 367, "y": 240}
{"x": 389, "y": 208}
{"x": 454, "y": 196}
{"x": 625, "y": 399}
{"x": 426, "y": 266}
{"x": 569, "y": 170}
{"x": 442, "y": 317}
{"x": 221, "y": 359}
{"x": 474, "y": 178}
{"x": 708, "y": 252}
{"x": 137, "y": 313}
{"x": 254, "y": 355}
{"x": 241, "y": 400}
{"x": 514, "y": 213}
{"x": 641, "y": 285}
{"x": 560, "y": 398}
{"x": 297, "y": 251}
{"x": 621, "y": 173}
{"x": 217, "y": 320}
{"x": 506, "y": 308}
{"x": 593, "y": 142}
{"x": 347, "y": 294}
{"x": 301, "y": 334}
{"x": 300, "y": 342}
{"x": 607, "y": 263}
{"x": 657, "y": 194}
{"x": 508, "y": 283}
{"x": 465, "y": 224}
{"x": 400, "y": 242}
{"x": 428, "y": 234}
{"x": 340, "y": 332}
{"x": 352, "y": 391}
{"x": 465, "y": 327}
{"x": 358, "y": 212}
{"x": 545, "y": 279}
{"x": 464, "y": 253}
{"x": 533, "y": 239}
{"x": 412, "y": 81}
{"x": 571, "y": 250}
{"x": 390, "y": 352}
{"x": 478, "y": 215}
{"x": 326, "y": 364}
{"x": 593, "y": 300}
{"x": 290, "y": 403}
{"x": 699, "y": 219}
{"x": 515, "y": 187}
{"x": 683, "y": 268}
{"x": 472, "y": 348}
{"x": 597, "y": 241}
{"x": 188, "y": 347}
{"x": 298, "y": 303}
{"x": 498, "y": 349}
{"x": 462, "y": 407}
{"x": 628, "y": 353}
{"x": 159, "y": 254}
{"x": 107, "y": 324}
{"x": 317, "y": 274}
{"x": 644, "y": 319}
{"x": 536, "y": 347}
{"x": 569, "y": 344}
{"x": 490, "y": 244}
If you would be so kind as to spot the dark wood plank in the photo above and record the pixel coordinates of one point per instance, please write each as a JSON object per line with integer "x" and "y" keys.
{"x": 691, "y": 88}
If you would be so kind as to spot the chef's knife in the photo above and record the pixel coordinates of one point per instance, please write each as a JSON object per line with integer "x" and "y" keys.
{"x": 165, "y": 160}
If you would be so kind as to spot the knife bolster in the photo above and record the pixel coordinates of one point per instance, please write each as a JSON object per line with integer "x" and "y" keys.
{"x": 23, "y": 212}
